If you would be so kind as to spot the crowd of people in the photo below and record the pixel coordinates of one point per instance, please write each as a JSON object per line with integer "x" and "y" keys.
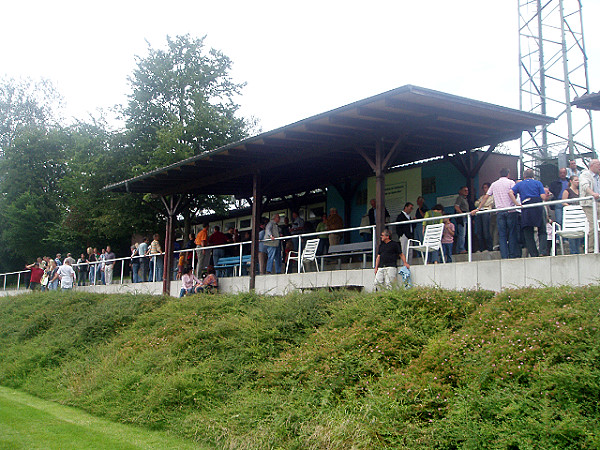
{"x": 508, "y": 231}
{"x": 92, "y": 267}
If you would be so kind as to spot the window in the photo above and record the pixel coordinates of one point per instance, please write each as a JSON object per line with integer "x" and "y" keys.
{"x": 428, "y": 186}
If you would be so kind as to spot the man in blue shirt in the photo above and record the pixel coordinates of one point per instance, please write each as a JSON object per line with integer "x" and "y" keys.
{"x": 531, "y": 191}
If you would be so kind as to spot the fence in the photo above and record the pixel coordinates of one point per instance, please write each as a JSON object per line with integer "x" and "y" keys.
{"x": 123, "y": 262}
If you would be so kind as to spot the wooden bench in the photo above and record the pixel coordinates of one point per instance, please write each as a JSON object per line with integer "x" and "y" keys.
{"x": 233, "y": 262}
{"x": 350, "y": 250}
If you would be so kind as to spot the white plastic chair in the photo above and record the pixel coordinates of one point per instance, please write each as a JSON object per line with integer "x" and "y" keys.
{"x": 432, "y": 241}
{"x": 309, "y": 254}
{"x": 575, "y": 225}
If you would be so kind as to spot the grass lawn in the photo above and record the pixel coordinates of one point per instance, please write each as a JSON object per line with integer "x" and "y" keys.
{"x": 31, "y": 423}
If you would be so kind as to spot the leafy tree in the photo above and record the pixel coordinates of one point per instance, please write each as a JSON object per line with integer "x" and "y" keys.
{"x": 25, "y": 103}
{"x": 31, "y": 168}
{"x": 183, "y": 104}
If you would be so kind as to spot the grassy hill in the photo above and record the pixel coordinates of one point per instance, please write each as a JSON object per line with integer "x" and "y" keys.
{"x": 418, "y": 369}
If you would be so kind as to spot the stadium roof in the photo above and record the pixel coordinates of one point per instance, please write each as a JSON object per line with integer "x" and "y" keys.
{"x": 320, "y": 150}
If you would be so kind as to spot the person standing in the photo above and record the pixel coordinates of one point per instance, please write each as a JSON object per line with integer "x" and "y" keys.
{"x": 109, "y": 265}
{"x": 448, "y": 238}
{"x": 135, "y": 264}
{"x": 405, "y": 231}
{"x": 83, "y": 269}
{"x": 557, "y": 187}
{"x": 217, "y": 238}
{"x": 531, "y": 192}
{"x": 36, "y": 276}
{"x": 572, "y": 192}
{"x": 482, "y": 221}
{"x": 508, "y": 237}
{"x": 262, "y": 249}
{"x": 461, "y": 205}
{"x": 334, "y": 222}
{"x": 66, "y": 274}
{"x": 373, "y": 212}
{"x": 589, "y": 185}
{"x": 323, "y": 238}
{"x": 573, "y": 169}
{"x": 157, "y": 259}
{"x": 386, "y": 263}
{"x": 144, "y": 262}
{"x": 273, "y": 245}
{"x": 203, "y": 256}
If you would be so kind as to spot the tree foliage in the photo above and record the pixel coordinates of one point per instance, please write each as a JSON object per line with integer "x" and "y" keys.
{"x": 182, "y": 103}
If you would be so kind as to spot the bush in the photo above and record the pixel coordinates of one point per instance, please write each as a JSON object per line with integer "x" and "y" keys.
{"x": 419, "y": 368}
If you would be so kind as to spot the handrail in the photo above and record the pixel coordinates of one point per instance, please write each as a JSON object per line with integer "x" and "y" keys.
{"x": 468, "y": 215}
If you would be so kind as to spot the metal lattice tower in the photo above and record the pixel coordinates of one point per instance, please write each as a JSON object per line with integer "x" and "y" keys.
{"x": 553, "y": 72}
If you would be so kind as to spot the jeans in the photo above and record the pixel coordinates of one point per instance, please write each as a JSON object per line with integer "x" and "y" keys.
{"x": 156, "y": 268}
{"x": 461, "y": 234}
{"x": 574, "y": 245}
{"x": 484, "y": 235}
{"x": 558, "y": 213}
{"x": 135, "y": 272}
{"x": 217, "y": 254}
{"x": 274, "y": 257}
{"x": 508, "y": 234}
{"x": 447, "y": 251}
{"x": 185, "y": 291}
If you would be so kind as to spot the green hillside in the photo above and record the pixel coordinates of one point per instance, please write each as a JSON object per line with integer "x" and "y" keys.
{"x": 418, "y": 369}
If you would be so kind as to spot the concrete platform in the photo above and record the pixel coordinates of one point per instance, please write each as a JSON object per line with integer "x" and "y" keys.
{"x": 490, "y": 274}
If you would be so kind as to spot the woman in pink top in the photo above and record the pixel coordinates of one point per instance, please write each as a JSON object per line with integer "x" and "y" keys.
{"x": 188, "y": 280}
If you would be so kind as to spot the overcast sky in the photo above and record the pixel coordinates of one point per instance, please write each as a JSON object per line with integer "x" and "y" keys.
{"x": 297, "y": 58}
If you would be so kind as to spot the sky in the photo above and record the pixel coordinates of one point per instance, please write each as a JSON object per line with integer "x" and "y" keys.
{"x": 297, "y": 58}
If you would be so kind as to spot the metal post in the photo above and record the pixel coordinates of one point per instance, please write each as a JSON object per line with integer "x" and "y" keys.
{"x": 18, "y": 281}
{"x": 469, "y": 235}
{"x": 595, "y": 223}
{"x": 4, "y": 281}
{"x": 241, "y": 258}
{"x": 123, "y": 269}
{"x": 299, "y": 253}
{"x": 374, "y": 237}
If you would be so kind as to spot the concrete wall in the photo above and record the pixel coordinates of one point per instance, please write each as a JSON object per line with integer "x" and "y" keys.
{"x": 495, "y": 275}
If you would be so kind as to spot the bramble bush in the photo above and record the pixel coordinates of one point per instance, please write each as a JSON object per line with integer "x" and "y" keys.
{"x": 421, "y": 368}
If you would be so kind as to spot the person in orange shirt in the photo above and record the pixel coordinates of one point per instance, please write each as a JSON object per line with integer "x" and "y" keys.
{"x": 203, "y": 256}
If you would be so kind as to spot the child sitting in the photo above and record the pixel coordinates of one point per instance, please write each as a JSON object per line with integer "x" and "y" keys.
{"x": 188, "y": 280}
{"x": 209, "y": 282}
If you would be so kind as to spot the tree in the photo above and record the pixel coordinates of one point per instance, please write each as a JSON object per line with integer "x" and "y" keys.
{"x": 183, "y": 104}
{"x": 26, "y": 103}
{"x": 31, "y": 168}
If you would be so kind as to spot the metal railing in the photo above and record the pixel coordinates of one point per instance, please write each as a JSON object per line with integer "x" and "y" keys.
{"x": 300, "y": 237}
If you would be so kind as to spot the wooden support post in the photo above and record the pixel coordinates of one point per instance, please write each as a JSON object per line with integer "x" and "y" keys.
{"x": 379, "y": 189}
{"x": 172, "y": 208}
{"x": 256, "y": 216}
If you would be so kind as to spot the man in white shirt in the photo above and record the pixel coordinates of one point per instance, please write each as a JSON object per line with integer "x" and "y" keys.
{"x": 66, "y": 274}
{"x": 589, "y": 184}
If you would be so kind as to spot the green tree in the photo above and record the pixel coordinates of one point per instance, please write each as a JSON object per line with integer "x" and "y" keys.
{"x": 25, "y": 103}
{"x": 31, "y": 168}
{"x": 183, "y": 104}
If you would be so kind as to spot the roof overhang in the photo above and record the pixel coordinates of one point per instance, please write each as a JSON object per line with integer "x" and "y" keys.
{"x": 322, "y": 149}
{"x": 588, "y": 101}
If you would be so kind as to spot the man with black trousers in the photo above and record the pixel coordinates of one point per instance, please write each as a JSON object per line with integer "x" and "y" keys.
{"x": 405, "y": 231}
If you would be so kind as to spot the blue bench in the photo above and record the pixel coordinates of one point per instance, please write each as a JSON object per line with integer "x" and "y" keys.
{"x": 232, "y": 262}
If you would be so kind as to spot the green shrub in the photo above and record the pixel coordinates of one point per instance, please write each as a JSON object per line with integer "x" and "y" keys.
{"x": 423, "y": 368}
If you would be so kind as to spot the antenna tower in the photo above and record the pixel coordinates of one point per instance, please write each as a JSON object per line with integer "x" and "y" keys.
{"x": 552, "y": 73}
